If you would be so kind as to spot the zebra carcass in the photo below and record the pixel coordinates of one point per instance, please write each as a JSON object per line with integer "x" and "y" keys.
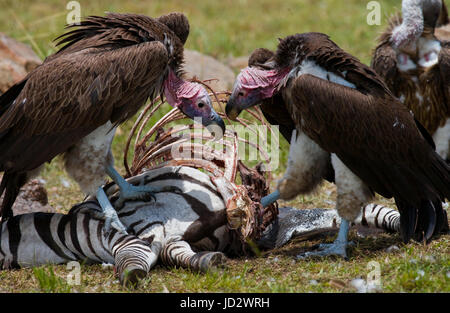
{"x": 190, "y": 229}
{"x": 211, "y": 218}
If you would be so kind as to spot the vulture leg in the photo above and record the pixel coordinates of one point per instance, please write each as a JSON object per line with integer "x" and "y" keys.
{"x": 352, "y": 194}
{"x": 269, "y": 199}
{"x": 131, "y": 192}
{"x": 108, "y": 213}
{"x": 338, "y": 247}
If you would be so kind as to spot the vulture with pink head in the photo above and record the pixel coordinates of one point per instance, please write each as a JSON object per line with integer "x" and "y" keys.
{"x": 73, "y": 102}
{"x": 343, "y": 108}
{"x": 413, "y": 57}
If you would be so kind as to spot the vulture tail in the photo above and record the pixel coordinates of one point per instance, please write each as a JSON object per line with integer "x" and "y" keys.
{"x": 426, "y": 221}
{"x": 11, "y": 184}
{"x": 431, "y": 222}
{"x": 408, "y": 219}
{"x": 422, "y": 223}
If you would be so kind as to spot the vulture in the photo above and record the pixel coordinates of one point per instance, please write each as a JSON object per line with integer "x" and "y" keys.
{"x": 72, "y": 104}
{"x": 342, "y": 107}
{"x": 413, "y": 57}
{"x": 275, "y": 112}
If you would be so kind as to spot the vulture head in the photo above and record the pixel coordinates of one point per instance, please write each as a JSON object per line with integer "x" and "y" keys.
{"x": 193, "y": 100}
{"x": 253, "y": 84}
{"x": 416, "y": 14}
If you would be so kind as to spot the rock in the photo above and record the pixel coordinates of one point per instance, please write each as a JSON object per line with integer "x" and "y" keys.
{"x": 237, "y": 64}
{"x": 32, "y": 198}
{"x": 16, "y": 61}
{"x": 206, "y": 67}
{"x": 34, "y": 191}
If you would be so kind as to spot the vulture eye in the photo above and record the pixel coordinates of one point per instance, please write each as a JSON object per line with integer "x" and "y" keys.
{"x": 200, "y": 104}
{"x": 241, "y": 94}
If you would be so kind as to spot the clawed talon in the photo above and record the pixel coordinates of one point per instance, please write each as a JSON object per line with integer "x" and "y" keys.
{"x": 109, "y": 216}
{"x": 131, "y": 192}
{"x": 145, "y": 193}
{"x": 327, "y": 249}
{"x": 114, "y": 223}
{"x": 337, "y": 248}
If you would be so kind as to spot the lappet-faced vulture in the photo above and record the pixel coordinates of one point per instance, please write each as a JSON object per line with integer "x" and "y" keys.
{"x": 73, "y": 102}
{"x": 342, "y": 107}
{"x": 413, "y": 57}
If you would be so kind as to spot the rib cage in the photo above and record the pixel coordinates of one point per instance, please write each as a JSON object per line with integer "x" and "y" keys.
{"x": 153, "y": 150}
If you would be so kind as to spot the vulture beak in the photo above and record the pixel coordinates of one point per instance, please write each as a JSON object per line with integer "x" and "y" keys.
{"x": 232, "y": 110}
{"x": 215, "y": 125}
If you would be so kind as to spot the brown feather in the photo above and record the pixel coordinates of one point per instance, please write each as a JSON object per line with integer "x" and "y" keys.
{"x": 433, "y": 81}
{"x": 370, "y": 130}
{"x": 319, "y": 48}
{"x": 274, "y": 108}
{"x": 107, "y": 69}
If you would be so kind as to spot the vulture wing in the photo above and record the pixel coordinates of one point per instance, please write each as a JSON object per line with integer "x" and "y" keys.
{"x": 377, "y": 139}
{"x": 69, "y": 96}
{"x": 276, "y": 113}
{"x": 384, "y": 62}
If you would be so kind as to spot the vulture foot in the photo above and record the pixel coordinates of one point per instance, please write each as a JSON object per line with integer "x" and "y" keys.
{"x": 271, "y": 198}
{"x": 108, "y": 214}
{"x": 337, "y": 248}
{"x": 130, "y": 192}
{"x": 327, "y": 249}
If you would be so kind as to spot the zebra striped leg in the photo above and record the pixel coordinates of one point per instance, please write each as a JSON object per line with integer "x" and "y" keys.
{"x": 134, "y": 258}
{"x": 379, "y": 216}
{"x": 45, "y": 238}
{"x": 177, "y": 252}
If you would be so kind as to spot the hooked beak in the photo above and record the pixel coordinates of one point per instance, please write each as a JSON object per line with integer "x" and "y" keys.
{"x": 216, "y": 126}
{"x": 232, "y": 109}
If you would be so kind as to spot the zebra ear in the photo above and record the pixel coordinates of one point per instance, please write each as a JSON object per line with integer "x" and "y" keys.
{"x": 148, "y": 240}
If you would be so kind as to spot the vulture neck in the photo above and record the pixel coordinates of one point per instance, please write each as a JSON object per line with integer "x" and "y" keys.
{"x": 419, "y": 20}
{"x": 174, "y": 88}
{"x": 269, "y": 81}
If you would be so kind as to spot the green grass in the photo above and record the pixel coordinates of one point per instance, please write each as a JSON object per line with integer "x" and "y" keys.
{"x": 224, "y": 29}
{"x": 48, "y": 281}
{"x": 219, "y": 28}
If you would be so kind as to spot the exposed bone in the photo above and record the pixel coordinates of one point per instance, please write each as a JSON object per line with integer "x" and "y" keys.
{"x": 153, "y": 150}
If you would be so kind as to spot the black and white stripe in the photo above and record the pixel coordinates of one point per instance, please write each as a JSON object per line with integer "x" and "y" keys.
{"x": 379, "y": 216}
{"x": 185, "y": 229}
